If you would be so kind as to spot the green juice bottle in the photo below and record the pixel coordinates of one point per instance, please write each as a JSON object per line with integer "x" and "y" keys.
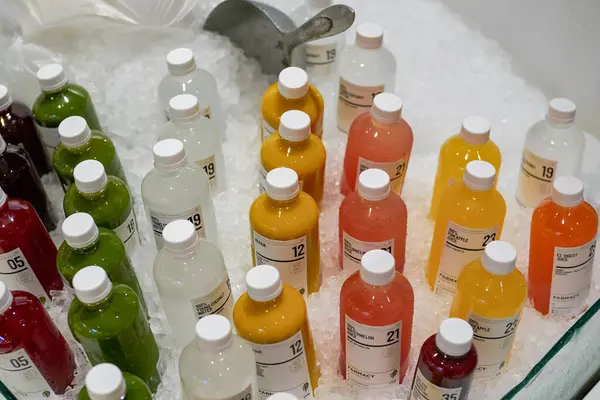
{"x": 106, "y": 199}
{"x": 109, "y": 323}
{"x": 79, "y": 143}
{"x": 107, "y": 382}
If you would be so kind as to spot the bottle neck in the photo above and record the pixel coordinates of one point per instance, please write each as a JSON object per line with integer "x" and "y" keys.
{"x": 302, "y": 144}
{"x": 95, "y": 196}
{"x": 283, "y": 203}
{"x": 292, "y": 102}
{"x": 57, "y": 90}
{"x": 101, "y": 304}
{"x": 560, "y": 125}
{"x": 88, "y": 249}
{"x": 170, "y": 171}
{"x": 81, "y": 149}
{"x": 5, "y": 111}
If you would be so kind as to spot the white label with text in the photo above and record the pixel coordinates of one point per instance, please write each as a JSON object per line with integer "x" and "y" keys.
{"x": 535, "y": 178}
{"x": 20, "y": 373}
{"x": 266, "y": 130}
{"x": 160, "y": 219}
{"x": 395, "y": 169}
{"x": 425, "y": 390}
{"x": 355, "y": 249}
{"x": 50, "y": 138}
{"x": 128, "y": 232}
{"x": 210, "y": 167}
{"x": 245, "y": 394}
{"x": 17, "y": 274}
{"x": 262, "y": 180}
{"x": 354, "y": 100}
{"x": 219, "y": 301}
{"x": 320, "y": 57}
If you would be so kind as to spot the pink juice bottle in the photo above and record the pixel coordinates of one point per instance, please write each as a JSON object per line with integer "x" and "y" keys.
{"x": 378, "y": 139}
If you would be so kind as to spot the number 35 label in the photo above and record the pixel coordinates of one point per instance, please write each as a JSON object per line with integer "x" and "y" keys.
{"x": 21, "y": 374}
{"x": 424, "y": 390}
{"x": 17, "y": 274}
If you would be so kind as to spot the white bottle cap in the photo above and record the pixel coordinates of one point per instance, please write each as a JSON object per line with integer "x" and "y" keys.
{"x": 377, "y": 267}
{"x": 499, "y": 257}
{"x": 561, "y": 111}
{"x": 181, "y": 61}
{"x": 454, "y": 337}
{"x": 479, "y": 175}
{"x": 475, "y": 130}
{"x": 369, "y": 36}
{"x": 184, "y": 107}
{"x": 80, "y": 230}
{"x": 3, "y": 197}
{"x": 169, "y": 154}
{"x": 263, "y": 283}
{"x": 180, "y": 236}
{"x": 294, "y": 126}
{"x": 6, "y": 297}
{"x": 213, "y": 332}
{"x": 74, "y": 132}
{"x": 51, "y": 77}
{"x": 567, "y": 191}
{"x": 386, "y": 108}
{"x": 5, "y": 99}
{"x": 373, "y": 184}
{"x": 282, "y": 396}
{"x": 282, "y": 184}
{"x": 91, "y": 284}
{"x": 105, "y": 382}
{"x": 293, "y": 83}
{"x": 90, "y": 176}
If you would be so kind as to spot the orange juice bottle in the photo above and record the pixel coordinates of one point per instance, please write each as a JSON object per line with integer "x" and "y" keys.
{"x": 471, "y": 215}
{"x": 490, "y": 295}
{"x": 561, "y": 250}
{"x": 291, "y": 92}
{"x": 293, "y": 146}
{"x": 472, "y": 143}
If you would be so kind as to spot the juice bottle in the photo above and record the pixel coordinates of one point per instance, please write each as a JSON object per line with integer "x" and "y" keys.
{"x": 446, "y": 364}
{"x": 106, "y": 382}
{"x": 471, "y": 217}
{"x": 27, "y": 253}
{"x": 106, "y": 199}
{"x": 472, "y": 143}
{"x": 175, "y": 190}
{"x": 109, "y": 323}
{"x": 284, "y": 223}
{"x": 272, "y": 317}
{"x": 217, "y": 364}
{"x": 366, "y": 69}
{"x": 378, "y": 139}
{"x": 291, "y": 92}
{"x": 553, "y": 147}
{"x": 561, "y": 250}
{"x": 79, "y": 143}
{"x": 293, "y": 146}
{"x": 35, "y": 359}
{"x": 372, "y": 218}
{"x": 490, "y": 295}
{"x": 191, "y": 278}
{"x": 376, "y": 315}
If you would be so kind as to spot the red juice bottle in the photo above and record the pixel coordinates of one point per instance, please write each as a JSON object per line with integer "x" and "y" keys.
{"x": 446, "y": 364}
{"x": 376, "y": 315}
{"x": 35, "y": 359}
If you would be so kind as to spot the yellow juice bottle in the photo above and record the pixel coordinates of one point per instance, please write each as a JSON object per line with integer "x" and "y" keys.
{"x": 284, "y": 223}
{"x": 291, "y": 92}
{"x": 471, "y": 215}
{"x": 472, "y": 143}
{"x": 272, "y": 317}
{"x": 293, "y": 146}
{"x": 490, "y": 296}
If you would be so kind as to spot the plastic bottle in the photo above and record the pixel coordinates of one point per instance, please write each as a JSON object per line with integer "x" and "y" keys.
{"x": 109, "y": 323}
{"x": 490, "y": 295}
{"x": 191, "y": 278}
{"x": 284, "y": 223}
{"x": 79, "y": 143}
{"x": 372, "y": 218}
{"x": 106, "y": 199}
{"x": 199, "y": 136}
{"x": 553, "y": 147}
{"x": 272, "y": 317}
{"x": 472, "y": 143}
{"x": 217, "y": 364}
{"x": 376, "y": 314}
{"x": 291, "y": 92}
{"x": 378, "y": 139}
{"x": 60, "y": 99}
{"x": 35, "y": 359}
{"x": 175, "y": 190}
{"x": 446, "y": 364}
{"x": 366, "y": 69}
{"x": 107, "y": 382}
{"x": 561, "y": 250}
{"x": 472, "y": 216}
{"x": 293, "y": 146}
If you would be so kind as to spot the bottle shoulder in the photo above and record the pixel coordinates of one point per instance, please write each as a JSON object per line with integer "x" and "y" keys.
{"x": 302, "y": 215}
{"x": 310, "y": 155}
{"x": 359, "y": 295}
{"x": 205, "y": 260}
{"x": 357, "y": 64}
{"x": 16, "y": 216}
{"x": 548, "y": 141}
{"x": 188, "y": 180}
{"x": 453, "y": 368}
{"x": 551, "y": 217}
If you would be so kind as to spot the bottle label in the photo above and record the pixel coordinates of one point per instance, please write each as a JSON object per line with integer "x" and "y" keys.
{"x": 160, "y": 219}
{"x": 128, "y": 233}
{"x": 462, "y": 245}
{"x": 210, "y": 167}
{"x": 372, "y": 354}
{"x": 355, "y": 99}
{"x": 245, "y": 394}
{"x": 219, "y": 301}
{"x": 262, "y": 180}
{"x": 266, "y": 130}
{"x": 20, "y": 373}
{"x": 571, "y": 278}
{"x": 354, "y": 249}
{"x": 395, "y": 169}
{"x": 493, "y": 339}
{"x": 288, "y": 256}
{"x": 425, "y": 390}
{"x": 50, "y": 138}
{"x": 282, "y": 367}
{"x": 320, "y": 56}
{"x": 535, "y": 178}
{"x": 17, "y": 274}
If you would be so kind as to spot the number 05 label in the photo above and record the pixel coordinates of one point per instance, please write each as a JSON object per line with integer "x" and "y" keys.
{"x": 17, "y": 274}
{"x": 21, "y": 374}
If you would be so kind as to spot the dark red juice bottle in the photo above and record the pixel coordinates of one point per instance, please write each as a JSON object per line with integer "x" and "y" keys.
{"x": 446, "y": 363}
{"x": 35, "y": 359}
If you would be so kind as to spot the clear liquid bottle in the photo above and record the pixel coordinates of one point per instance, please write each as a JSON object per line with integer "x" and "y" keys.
{"x": 561, "y": 250}
{"x": 471, "y": 215}
{"x": 191, "y": 278}
{"x": 217, "y": 364}
{"x": 175, "y": 190}
{"x": 199, "y": 136}
{"x": 107, "y": 382}
{"x": 490, "y": 295}
{"x": 472, "y": 143}
{"x": 372, "y": 218}
{"x": 366, "y": 69}
{"x": 553, "y": 147}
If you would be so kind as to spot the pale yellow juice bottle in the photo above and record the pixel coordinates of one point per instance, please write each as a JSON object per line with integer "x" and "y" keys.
{"x": 471, "y": 215}
{"x": 293, "y": 146}
{"x": 472, "y": 143}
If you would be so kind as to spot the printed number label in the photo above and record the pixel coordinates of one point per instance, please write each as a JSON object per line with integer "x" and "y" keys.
{"x": 395, "y": 169}
{"x": 425, "y": 390}
{"x": 161, "y": 219}
{"x": 128, "y": 233}
{"x": 354, "y": 100}
{"x": 17, "y": 274}
{"x": 535, "y": 178}
{"x": 19, "y": 372}
{"x": 354, "y": 250}
{"x": 209, "y": 166}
